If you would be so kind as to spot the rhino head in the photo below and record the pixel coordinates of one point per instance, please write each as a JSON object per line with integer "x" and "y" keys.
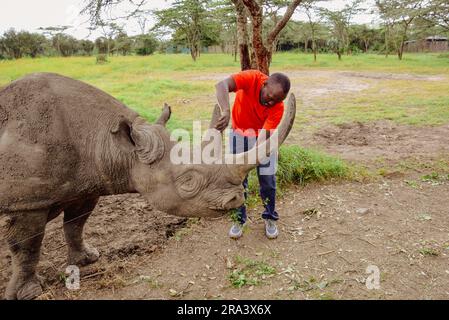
{"x": 190, "y": 190}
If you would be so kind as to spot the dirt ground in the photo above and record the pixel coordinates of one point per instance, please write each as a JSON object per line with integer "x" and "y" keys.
{"x": 329, "y": 233}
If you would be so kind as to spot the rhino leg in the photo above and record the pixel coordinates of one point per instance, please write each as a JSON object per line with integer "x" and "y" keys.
{"x": 75, "y": 217}
{"x": 25, "y": 233}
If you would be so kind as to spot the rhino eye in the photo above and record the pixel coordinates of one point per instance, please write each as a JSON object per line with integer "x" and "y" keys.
{"x": 189, "y": 184}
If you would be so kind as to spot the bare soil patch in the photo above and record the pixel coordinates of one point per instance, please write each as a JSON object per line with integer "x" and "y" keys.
{"x": 381, "y": 140}
{"x": 326, "y": 245}
{"x": 121, "y": 227}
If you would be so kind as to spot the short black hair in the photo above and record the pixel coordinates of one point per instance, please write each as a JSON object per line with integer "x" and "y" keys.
{"x": 283, "y": 80}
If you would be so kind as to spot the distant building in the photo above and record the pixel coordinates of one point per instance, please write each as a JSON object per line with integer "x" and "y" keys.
{"x": 429, "y": 44}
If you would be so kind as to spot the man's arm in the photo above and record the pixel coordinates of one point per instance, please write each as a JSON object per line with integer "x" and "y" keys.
{"x": 223, "y": 89}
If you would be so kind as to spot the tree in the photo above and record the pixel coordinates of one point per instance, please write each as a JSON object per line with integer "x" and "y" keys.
{"x": 54, "y": 33}
{"x": 363, "y": 36}
{"x": 142, "y": 17}
{"x": 66, "y": 44}
{"x": 33, "y": 43}
{"x": 399, "y": 15}
{"x": 340, "y": 22}
{"x": 263, "y": 49}
{"x": 15, "y": 45}
{"x": 101, "y": 44}
{"x": 109, "y": 30}
{"x": 123, "y": 44}
{"x": 99, "y": 11}
{"x": 87, "y": 47}
{"x": 11, "y": 46}
{"x": 188, "y": 19}
{"x": 242, "y": 34}
{"x": 146, "y": 45}
{"x": 224, "y": 31}
{"x": 437, "y": 12}
{"x": 311, "y": 12}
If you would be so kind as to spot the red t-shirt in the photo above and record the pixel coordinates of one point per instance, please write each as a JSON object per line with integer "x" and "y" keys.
{"x": 247, "y": 112}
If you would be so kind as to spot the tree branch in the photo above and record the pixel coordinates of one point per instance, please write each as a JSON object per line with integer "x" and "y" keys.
{"x": 281, "y": 24}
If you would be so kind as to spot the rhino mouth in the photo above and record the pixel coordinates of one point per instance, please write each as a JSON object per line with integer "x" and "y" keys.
{"x": 218, "y": 209}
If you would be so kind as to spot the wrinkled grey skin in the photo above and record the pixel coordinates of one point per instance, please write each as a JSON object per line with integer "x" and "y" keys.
{"x": 63, "y": 144}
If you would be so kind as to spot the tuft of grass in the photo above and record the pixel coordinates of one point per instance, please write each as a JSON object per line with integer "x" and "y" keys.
{"x": 300, "y": 166}
{"x": 152, "y": 282}
{"x": 248, "y": 272}
{"x": 297, "y": 165}
{"x": 429, "y": 252}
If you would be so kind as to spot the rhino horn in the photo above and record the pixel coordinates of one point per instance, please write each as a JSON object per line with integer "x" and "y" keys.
{"x": 262, "y": 150}
{"x": 165, "y": 116}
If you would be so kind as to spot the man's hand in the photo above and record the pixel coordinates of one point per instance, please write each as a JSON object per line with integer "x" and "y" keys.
{"x": 223, "y": 89}
{"x": 223, "y": 121}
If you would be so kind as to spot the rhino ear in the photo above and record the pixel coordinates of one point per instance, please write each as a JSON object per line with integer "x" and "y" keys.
{"x": 149, "y": 145}
{"x": 121, "y": 133}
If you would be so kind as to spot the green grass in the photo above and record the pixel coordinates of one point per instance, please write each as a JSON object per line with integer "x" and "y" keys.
{"x": 415, "y": 63}
{"x": 145, "y": 83}
{"x": 405, "y": 102}
{"x": 430, "y": 252}
{"x": 248, "y": 272}
{"x": 300, "y": 166}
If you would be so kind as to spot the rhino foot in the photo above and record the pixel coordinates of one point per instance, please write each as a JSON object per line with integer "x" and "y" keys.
{"x": 23, "y": 290}
{"x": 82, "y": 258}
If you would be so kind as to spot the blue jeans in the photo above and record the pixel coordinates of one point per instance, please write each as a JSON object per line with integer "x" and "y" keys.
{"x": 265, "y": 174}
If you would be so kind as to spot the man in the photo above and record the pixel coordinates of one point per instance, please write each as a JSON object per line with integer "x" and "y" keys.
{"x": 258, "y": 106}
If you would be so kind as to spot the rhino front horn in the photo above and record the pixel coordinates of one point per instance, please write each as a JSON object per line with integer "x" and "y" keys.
{"x": 246, "y": 161}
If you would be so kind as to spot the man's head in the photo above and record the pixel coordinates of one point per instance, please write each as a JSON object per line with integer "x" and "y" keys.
{"x": 274, "y": 90}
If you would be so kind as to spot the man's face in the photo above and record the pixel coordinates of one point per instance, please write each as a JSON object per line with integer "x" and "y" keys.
{"x": 271, "y": 94}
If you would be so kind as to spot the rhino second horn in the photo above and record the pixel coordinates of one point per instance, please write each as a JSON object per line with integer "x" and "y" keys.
{"x": 165, "y": 116}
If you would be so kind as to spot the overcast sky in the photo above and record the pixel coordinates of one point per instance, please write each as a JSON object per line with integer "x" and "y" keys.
{"x": 31, "y": 14}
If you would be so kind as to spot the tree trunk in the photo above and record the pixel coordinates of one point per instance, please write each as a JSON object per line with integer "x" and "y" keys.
{"x": 314, "y": 49}
{"x": 263, "y": 55}
{"x": 253, "y": 60}
{"x": 193, "y": 52}
{"x": 260, "y": 51}
{"x": 242, "y": 35}
{"x": 236, "y": 49}
{"x": 401, "y": 47}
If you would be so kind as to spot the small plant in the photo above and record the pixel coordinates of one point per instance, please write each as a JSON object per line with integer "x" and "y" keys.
{"x": 153, "y": 283}
{"x": 429, "y": 252}
{"x": 102, "y": 59}
{"x": 433, "y": 177}
{"x": 250, "y": 272}
{"x": 234, "y": 214}
{"x": 412, "y": 183}
{"x": 238, "y": 279}
{"x": 62, "y": 277}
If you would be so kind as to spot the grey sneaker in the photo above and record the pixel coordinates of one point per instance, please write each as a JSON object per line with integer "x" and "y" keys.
{"x": 236, "y": 231}
{"x": 271, "y": 229}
